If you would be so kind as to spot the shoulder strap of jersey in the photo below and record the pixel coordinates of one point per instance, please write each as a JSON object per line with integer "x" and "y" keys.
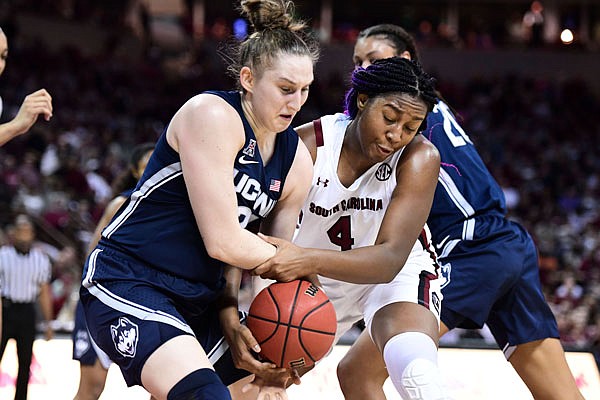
{"x": 318, "y": 132}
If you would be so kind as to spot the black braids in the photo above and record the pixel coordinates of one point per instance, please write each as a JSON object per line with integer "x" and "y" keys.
{"x": 393, "y": 74}
{"x": 427, "y": 89}
{"x": 387, "y": 76}
{"x": 400, "y": 39}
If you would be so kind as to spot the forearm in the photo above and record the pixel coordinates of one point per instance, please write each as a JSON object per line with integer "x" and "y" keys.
{"x": 371, "y": 264}
{"x": 228, "y": 301}
{"x": 241, "y": 248}
{"x": 7, "y": 132}
{"x": 46, "y": 303}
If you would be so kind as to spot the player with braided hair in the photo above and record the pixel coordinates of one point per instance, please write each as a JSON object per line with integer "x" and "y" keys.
{"x": 489, "y": 263}
{"x": 362, "y": 228}
{"x": 227, "y": 163}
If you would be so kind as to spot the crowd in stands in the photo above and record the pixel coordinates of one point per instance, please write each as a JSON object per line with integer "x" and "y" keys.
{"x": 539, "y": 138}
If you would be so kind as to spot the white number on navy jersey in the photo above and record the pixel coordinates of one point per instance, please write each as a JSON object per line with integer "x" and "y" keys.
{"x": 455, "y": 133}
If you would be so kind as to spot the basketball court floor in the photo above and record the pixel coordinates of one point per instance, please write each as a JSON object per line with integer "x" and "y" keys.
{"x": 469, "y": 373}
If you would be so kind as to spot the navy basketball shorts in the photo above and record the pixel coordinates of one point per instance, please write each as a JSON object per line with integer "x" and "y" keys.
{"x": 129, "y": 318}
{"x": 84, "y": 349}
{"x": 494, "y": 279}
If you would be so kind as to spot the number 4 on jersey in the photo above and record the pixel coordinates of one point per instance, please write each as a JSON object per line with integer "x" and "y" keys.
{"x": 341, "y": 233}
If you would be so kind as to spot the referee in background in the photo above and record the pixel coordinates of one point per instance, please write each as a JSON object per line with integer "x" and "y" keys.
{"x": 25, "y": 275}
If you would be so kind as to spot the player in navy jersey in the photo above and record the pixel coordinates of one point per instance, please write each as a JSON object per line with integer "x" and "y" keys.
{"x": 227, "y": 163}
{"x": 35, "y": 104}
{"x": 362, "y": 229}
{"x": 93, "y": 363}
{"x": 489, "y": 263}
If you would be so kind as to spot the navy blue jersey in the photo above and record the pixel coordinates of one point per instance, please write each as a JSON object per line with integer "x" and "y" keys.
{"x": 488, "y": 263}
{"x": 466, "y": 189}
{"x": 157, "y": 226}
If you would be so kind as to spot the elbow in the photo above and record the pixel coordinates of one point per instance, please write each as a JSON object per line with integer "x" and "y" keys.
{"x": 389, "y": 276}
{"x": 392, "y": 271}
{"x": 225, "y": 248}
{"x": 217, "y": 250}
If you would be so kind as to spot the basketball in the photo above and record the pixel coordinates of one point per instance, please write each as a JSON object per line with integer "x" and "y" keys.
{"x": 294, "y": 323}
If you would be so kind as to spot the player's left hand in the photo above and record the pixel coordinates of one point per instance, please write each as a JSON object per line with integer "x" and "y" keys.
{"x": 290, "y": 262}
{"x": 269, "y": 390}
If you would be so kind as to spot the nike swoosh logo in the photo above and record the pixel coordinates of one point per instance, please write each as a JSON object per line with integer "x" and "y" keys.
{"x": 242, "y": 160}
{"x": 439, "y": 246}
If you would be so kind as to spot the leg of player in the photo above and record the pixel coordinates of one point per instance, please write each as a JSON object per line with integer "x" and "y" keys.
{"x": 189, "y": 375}
{"x": 543, "y": 367}
{"x": 91, "y": 381}
{"x": 443, "y": 329}
{"x": 357, "y": 381}
{"x": 406, "y": 334}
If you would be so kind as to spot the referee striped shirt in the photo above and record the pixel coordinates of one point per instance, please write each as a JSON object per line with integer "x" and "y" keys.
{"x": 22, "y": 274}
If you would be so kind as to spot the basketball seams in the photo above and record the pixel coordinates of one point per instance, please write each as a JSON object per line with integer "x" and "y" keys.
{"x": 277, "y": 323}
{"x": 316, "y": 308}
{"x": 301, "y": 332}
{"x": 301, "y": 328}
{"x": 287, "y": 332}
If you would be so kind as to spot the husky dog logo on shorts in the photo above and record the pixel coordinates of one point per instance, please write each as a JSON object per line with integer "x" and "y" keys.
{"x": 82, "y": 343}
{"x": 445, "y": 274}
{"x": 125, "y": 337}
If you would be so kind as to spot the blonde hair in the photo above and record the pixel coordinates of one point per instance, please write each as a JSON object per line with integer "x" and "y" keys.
{"x": 276, "y": 32}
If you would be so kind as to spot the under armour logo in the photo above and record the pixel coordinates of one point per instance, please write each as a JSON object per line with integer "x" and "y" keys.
{"x": 325, "y": 182}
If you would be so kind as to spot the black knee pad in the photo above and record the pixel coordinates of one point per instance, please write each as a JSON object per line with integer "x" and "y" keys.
{"x": 202, "y": 384}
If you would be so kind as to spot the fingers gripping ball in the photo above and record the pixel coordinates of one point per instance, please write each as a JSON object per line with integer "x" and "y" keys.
{"x": 294, "y": 323}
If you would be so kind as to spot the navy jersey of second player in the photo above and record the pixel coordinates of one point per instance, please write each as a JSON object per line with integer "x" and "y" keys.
{"x": 157, "y": 225}
{"x": 465, "y": 189}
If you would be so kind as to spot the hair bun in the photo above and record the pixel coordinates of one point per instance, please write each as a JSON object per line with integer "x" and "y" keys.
{"x": 270, "y": 14}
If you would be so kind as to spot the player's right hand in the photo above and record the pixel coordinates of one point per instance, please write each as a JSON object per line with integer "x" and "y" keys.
{"x": 290, "y": 262}
{"x": 35, "y": 104}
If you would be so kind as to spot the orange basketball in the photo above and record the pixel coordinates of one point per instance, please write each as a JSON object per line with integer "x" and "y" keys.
{"x": 294, "y": 323}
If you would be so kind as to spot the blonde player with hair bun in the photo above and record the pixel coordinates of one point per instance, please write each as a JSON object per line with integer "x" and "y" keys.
{"x": 228, "y": 162}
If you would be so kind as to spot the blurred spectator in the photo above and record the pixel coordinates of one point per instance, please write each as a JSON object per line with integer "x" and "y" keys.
{"x": 569, "y": 290}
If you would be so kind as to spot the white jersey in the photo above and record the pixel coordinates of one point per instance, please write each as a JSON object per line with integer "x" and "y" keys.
{"x": 340, "y": 218}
